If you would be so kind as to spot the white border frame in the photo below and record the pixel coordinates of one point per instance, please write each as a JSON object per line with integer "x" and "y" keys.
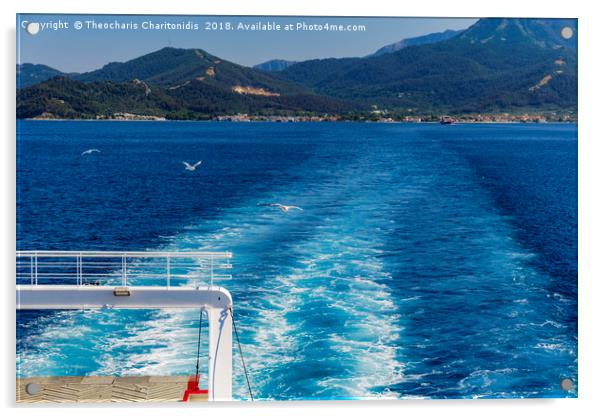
{"x": 590, "y": 206}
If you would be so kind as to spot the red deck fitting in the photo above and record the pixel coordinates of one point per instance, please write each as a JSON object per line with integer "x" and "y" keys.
{"x": 193, "y": 389}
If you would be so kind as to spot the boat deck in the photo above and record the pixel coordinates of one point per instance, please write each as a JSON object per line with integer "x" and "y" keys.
{"x": 103, "y": 389}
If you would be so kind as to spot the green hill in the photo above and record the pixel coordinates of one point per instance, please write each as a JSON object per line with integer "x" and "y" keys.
{"x": 172, "y": 68}
{"x": 63, "y": 97}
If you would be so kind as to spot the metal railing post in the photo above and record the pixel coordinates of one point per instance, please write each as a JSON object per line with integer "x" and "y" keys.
{"x": 211, "y": 267}
{"x": 35, "y": 262}
{"x": 123, "y": 270}
{"x": 78, "y": 264}
{"x": 168, "y": 270}
{"x": 31, "y": 269}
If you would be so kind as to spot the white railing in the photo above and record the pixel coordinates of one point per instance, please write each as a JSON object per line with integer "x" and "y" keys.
{"x": 122, "y": 268}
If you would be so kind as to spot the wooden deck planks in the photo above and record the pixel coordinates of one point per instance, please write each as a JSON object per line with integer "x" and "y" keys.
{"x": 104, "y": 389}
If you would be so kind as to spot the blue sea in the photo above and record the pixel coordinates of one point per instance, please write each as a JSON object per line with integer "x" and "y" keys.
{"x": 429, "y": 261}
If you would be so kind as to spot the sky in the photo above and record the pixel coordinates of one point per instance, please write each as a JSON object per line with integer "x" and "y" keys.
{"x": 58, "y": 42}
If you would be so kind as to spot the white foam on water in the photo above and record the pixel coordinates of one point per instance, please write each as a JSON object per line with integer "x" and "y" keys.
{"x": 168, "y": 344}
{"x": 367, "y": 340}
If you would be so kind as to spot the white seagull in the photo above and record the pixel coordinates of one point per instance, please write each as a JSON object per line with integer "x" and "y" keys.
{"x": 190, "y": 167}
{"x": 283, "y": 208}
{"x": 90, "y": 151}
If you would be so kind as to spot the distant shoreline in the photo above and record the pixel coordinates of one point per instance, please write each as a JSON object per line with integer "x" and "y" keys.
{"x": 293, "y": 122}
{"x": 371, "y": 117}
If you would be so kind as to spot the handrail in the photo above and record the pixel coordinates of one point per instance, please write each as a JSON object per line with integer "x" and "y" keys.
{"x": 131, "y": 254}
{"x": 125, "y": 267}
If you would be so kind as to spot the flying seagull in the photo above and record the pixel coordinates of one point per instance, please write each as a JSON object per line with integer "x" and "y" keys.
{"x": 283, "y": 208}
{"x": 190, "y": 167}
{"x": 90, "y": 151}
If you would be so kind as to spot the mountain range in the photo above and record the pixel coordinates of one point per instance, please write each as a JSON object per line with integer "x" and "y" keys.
{"x": 416, "y": 41}
{"x": 495, "y": 65}
{"x": 30, "y": 74}
{"x": 274, "y": 65}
